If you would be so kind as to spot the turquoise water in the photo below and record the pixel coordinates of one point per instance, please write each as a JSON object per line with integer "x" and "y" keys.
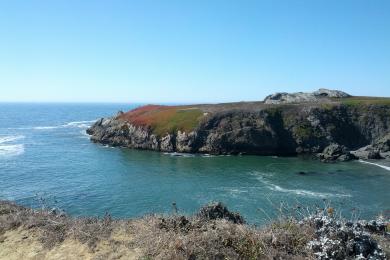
{"x": 45, "y": 153}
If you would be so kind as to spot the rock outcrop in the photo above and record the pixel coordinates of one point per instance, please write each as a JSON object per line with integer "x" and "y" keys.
{"x": 328, "y": 129}
{"x": 219, "y": 211}
{"x": 304, "y": 97}
{"x": 339, "y": 239}
{"x": 335, "y": 152}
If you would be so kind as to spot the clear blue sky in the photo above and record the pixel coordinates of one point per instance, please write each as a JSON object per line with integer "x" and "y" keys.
{"x": 191, "y": 51}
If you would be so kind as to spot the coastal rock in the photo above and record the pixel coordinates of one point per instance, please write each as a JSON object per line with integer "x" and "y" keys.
{"x": 383, "y": 144}
{"x": 285, "y": 98}
{"x": 304, "y": 97}
{"x": 326, "y": 129}
{"x": 117, "y": 132}
{"x": 337, "y": 239}
{"x": 167, "y": 143}
{"x": 219, "y": 211}
{"x": 185, "y": 142}
{"x": 323, "y": 92}
{"x": 367, "y": 152}
{"x": 335, "y": 152}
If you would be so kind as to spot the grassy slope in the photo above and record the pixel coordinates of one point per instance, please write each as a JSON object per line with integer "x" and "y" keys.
{"x": 366, "y": 101}
{"x": 165, "y": 119}
{"x": 169, "y": 119}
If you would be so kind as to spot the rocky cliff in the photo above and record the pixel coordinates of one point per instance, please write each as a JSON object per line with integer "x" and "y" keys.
{"x": 333, "y": 128}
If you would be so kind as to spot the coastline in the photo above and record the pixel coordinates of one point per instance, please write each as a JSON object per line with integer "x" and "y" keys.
{"x": 330, "y": 128}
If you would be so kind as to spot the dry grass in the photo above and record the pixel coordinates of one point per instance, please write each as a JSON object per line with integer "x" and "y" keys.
{"x": 38, "y": 234}
{"x": 194, "y": 238}
{"x": 157, "y": 237}
{"x": 43, "y": 235}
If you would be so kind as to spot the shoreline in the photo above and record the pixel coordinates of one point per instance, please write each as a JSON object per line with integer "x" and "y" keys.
{"x": 322, "y": 129}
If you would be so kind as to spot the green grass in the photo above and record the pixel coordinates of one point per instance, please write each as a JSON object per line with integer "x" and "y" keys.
{"x": 180, "y": 119}
{"x": 353, "y": 101}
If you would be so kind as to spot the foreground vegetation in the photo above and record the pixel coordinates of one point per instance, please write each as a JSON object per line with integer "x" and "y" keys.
{"x": 213, "y": 233}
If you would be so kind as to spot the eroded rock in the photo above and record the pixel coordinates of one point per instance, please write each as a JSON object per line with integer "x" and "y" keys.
{"x": 304, "y": 97}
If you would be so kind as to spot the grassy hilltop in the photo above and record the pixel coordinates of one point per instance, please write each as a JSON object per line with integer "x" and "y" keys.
{"x": 169, "y": 119}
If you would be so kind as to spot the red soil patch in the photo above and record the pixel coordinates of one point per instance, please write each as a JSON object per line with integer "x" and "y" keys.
{"x": 164, "y": 119}
{"x": 147, "y": 115}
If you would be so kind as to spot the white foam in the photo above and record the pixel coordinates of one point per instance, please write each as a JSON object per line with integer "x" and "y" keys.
{"x": 207, "y": 155}
{"x": 45, "y": 127}
{"x": 84, "y": 134}
{"x": 10, "y": 138}
{"x": 376, "y": 164}
{"x": 176, "y": 154}
{"x": 300, "y": 192}
{"x": 77, "y": 124}
{"x": 11, "y": 150}
{"x": 7, "y": 149}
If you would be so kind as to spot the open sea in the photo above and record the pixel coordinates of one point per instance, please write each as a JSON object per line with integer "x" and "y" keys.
{"x": 46, "y": 158}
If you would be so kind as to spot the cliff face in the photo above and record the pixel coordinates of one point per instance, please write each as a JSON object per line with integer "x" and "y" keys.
{"x": 330, "y": 130}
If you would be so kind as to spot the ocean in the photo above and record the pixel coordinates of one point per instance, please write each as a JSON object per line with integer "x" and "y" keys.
{"x": 47, "y": 159}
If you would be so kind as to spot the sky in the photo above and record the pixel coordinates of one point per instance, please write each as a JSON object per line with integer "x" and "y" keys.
{"x": 190, "y": 51}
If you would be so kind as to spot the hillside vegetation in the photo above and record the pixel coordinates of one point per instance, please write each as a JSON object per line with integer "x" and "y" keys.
{"x": 365, "y": 101}
{"x": 169, "y": 119}
{"x": 165, "y": 119}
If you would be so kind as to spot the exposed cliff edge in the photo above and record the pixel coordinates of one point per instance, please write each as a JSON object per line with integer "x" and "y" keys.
{"x": 330, "y": 124}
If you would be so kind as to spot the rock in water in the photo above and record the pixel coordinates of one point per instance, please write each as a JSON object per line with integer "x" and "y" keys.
{"x": 335, "y": 152}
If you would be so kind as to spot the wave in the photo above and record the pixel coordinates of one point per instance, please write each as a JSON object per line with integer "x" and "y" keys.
{"x": 7, "y": 149}
{"x": 376, "y": 164}
{"x": 84, "y": 134}
{"x": 176, "y": 154}
{"x": 11, "y": 150}
{"x": 77, "y": 124}
{"x": 80, "y": 124}
{"x": 11, "y": 138}
{"x": 300, "y": 192}
{"x": 45, "y": 127}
